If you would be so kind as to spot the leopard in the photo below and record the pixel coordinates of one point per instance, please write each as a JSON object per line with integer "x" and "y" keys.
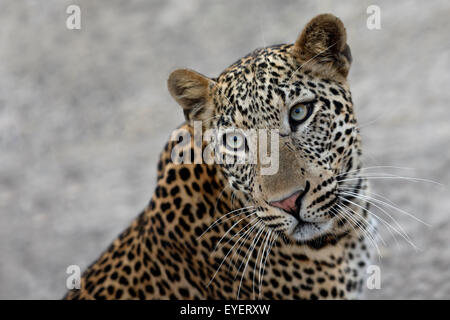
{"x": 231, "y": 230}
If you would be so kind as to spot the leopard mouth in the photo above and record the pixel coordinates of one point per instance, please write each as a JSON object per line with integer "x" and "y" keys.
{"x": 299, "y": 229}
{"x": 305, "y": 231}
{"x": 296, "y": 227}
{"x": 294, "y": 211}
{"x": 301, "y": 224}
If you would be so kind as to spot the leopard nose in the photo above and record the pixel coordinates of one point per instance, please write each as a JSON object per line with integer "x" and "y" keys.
{"x": 288, "y": 204}
{"x": 299, "y": 199}
{"x": 293, "y": 203}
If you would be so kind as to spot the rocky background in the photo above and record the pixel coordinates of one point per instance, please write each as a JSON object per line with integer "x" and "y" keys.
{"x": 84, "y": 114}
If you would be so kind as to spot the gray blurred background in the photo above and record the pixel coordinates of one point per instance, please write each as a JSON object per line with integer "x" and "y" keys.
{"x": 84, "y": 114}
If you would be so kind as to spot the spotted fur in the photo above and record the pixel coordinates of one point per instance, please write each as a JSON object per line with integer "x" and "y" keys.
{"x": 211, "y": 231}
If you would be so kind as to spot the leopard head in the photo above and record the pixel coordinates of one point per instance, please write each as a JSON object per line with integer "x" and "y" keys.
{"x": 297, "y": 95}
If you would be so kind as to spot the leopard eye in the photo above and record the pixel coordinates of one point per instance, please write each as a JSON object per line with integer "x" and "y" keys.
{"x": 234, "y": 140}
{"x": 299, "y": 113}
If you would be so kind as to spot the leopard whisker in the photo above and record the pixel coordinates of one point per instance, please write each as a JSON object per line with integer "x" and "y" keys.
{"x": 366, "y": 198}
{"x": 373, "y": 167}
{"x": 220, "y": 195}
{"x": 387, "y": 224}
{"x": 237, "y": 252}
{"x": 237, "y": 233}
{"x": 261, "y": 247}
{"x": 252, "y": 248}
{"x": 359, "y": 215}
{"x": 219, "y": 220}
{"x": 351, "y": 189}
{"x": 365, "y": 231}
{"x": 266, "y": 242}
{"x": 223, "y": 260}
{"x": 273, "y": 241}
{"x": 362, "y": 227}
{"x": 411, "y": 179}
{"x": 360, "y": 197}
{"x": 261, "y": 228}
{"x": 231, "y": 228}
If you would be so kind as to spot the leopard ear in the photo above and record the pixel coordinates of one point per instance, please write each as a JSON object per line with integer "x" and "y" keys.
{"x": 192, "y": 92}
{"x": 323, "y": 43}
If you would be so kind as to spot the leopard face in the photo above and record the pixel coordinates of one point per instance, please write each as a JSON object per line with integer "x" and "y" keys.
{"x": 298, "y": 96}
